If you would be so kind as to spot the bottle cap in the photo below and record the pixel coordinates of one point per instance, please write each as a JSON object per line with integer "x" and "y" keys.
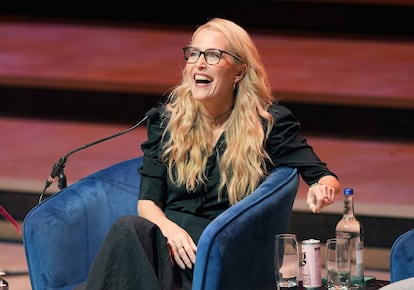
{"x": 348, "y": 191}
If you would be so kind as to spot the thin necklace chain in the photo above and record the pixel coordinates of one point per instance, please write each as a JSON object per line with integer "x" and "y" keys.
{"x": 214, "y": 119}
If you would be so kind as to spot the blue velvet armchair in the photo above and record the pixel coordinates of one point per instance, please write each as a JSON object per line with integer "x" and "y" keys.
{"x": 62, "y": 235}
{"x": 402, "y": 257}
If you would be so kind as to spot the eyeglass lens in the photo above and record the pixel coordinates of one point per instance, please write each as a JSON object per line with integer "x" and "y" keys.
{"x": 211, "y": 56}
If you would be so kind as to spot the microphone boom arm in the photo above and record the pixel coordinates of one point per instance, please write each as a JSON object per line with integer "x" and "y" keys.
{"x": 57, "y": 169}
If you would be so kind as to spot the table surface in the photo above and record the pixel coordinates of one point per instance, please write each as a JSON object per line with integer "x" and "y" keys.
{"x": 372, "y": 285}
{"x": 405, "y": 284}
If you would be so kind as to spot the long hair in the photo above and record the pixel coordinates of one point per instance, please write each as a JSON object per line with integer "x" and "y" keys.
{"x": 243, "y": 163}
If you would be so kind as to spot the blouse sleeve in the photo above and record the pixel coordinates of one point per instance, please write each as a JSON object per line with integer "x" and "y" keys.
{"x": 287, "y": 147}
{"x": 153, "y": 170}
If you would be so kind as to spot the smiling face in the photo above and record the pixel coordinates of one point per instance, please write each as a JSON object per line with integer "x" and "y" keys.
{"x": 212, "y": 85}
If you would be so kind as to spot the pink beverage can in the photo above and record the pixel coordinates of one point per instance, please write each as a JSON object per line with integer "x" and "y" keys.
{"x": 311, "y": 264}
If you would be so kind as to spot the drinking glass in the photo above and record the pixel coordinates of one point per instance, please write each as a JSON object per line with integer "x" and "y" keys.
{"x": 338, "y": 263}
{"x": 286, "y": 261}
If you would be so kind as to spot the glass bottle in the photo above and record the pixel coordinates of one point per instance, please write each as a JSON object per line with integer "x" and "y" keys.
{"x": 350, "y": 226}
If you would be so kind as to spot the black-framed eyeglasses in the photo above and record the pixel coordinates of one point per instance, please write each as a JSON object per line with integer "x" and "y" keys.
{"x": 211, "y": 55}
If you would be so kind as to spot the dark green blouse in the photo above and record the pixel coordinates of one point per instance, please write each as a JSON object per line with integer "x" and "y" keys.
{"x": 194, "y": 210}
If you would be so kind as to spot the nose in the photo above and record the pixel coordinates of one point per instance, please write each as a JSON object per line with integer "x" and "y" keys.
{"x": 202, "y": 57}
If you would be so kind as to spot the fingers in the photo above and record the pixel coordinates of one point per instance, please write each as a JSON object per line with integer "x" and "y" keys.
{"x": 319, "y": 196}
{"x": 182, "y": 258}
{"x": 184, "y": 253}
{"x": 312, "y": 207}
{"x": 311, "y": 201}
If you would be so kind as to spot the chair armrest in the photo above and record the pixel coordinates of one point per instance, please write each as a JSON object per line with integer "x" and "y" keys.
{"x": 402, "y": 257}
{"x": 236, "y": 249}
{"x": 62, "y": 235}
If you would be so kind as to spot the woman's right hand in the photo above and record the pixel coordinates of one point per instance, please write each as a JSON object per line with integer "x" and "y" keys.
{"x": 181, "y": 245}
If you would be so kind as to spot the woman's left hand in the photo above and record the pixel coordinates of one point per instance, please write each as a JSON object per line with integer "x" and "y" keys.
{"x": 319, "y": 196}
{"x": 322, "y": 193}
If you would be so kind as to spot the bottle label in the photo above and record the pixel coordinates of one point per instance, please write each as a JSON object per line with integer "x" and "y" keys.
{"x": 359, "y": 262}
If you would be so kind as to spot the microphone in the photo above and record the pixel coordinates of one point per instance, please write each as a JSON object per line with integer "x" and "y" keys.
{"x": 57, "y": 169}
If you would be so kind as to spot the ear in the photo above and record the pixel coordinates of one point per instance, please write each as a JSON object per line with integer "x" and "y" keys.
{"x": 241, "y": 73}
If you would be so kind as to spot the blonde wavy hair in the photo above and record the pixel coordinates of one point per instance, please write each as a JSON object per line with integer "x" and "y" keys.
{"x": 243, "y": 164}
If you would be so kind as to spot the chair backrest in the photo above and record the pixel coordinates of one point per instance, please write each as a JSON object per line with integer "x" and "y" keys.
{"x": 62, "y": 235}
{"x": 402, "y": 257}
{"x": 236, "y": 249}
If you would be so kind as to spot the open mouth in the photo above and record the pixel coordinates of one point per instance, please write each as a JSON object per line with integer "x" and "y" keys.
{"x": 201, "y": 79}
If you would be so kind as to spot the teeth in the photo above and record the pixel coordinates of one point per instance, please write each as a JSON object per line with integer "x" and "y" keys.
{"x": 201, "y": 78}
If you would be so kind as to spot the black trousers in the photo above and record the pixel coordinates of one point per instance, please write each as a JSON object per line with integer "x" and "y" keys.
{"x": 135, "y": 256}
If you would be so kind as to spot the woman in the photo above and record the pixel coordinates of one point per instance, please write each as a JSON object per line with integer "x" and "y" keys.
{"x": 214, "y": 141}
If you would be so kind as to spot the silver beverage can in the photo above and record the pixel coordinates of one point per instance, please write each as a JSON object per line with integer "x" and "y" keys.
{"x": 311, "y": 264}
